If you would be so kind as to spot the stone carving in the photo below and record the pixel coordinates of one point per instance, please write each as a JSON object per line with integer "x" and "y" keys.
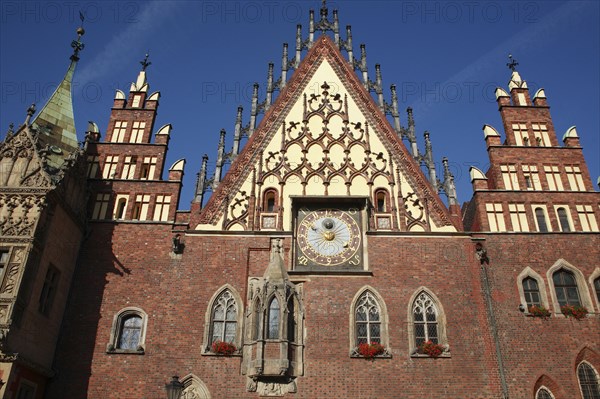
{"x": 11, "y": 279}
{"x": 19, "y": 213}
{"x": 270, "y": 388}
{"x": 191, "y": 392}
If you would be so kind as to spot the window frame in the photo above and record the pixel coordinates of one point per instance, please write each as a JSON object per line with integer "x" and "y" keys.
{"x": 117, "y": 327}
{"x": 595, "y": 373}
{"x": 49, "y": 290}
{"x": 528, "y": 272}
{"x": 208, "y": 320}
{"x": 543, "y": 388}
{"x": 595, "y": 276}
{"x": 383, "y": 321}
{"x": 441, "y": 323}
{"x": 584, "y": 294}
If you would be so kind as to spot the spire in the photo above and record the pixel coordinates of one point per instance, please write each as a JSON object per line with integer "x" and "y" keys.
{"x": 429, "y": 162}
{"x": 55, "y": 122}
{"x": 201, "y": 182}
{"x": 448, "y": 184}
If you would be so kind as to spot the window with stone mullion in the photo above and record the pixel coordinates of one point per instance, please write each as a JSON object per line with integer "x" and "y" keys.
{"x": 224, "y": 318}
{"x": 566, "y": 288}
{"x": 588, "y": 381}
{"x": 532, "y": 292}
{"x": 368, "y": 320}
{"x": 425, "y": 320}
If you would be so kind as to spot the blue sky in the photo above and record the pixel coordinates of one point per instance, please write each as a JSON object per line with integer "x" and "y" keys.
{"x": 445, "y": 57}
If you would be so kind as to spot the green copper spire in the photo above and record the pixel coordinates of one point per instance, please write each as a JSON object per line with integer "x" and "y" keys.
{"x": 55, "y": 123}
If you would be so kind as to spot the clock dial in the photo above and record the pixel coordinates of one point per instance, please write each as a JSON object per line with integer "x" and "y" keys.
{"x": 328, "y": 237}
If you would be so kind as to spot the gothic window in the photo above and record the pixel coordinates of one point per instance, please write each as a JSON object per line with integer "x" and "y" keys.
{"x": 566, "y": 289}
{"x": 224, "y": 318}
{"x": 597, "y": 288}
{"x": 553, "y": 178}
{"x": 587, "y": 218}
{"x": 425, "y": 319}
{"x": 49, "y": 290}
{"x": 588, "y": 381}
{"x": 367, "y": 319}
{"x": 128, "y": 332}
{"x": 563, "y": 219}
{"x": 518, "y": 217}
{"x": 575, "y": 178}
{"x": 532, "y": 292}
{"x": 543, "y": 393}
{"x": 273, "y": 318}
{"x": 540, "y": 217}
{"x": 495, "y": 217}
{"x": 161, "y": 209}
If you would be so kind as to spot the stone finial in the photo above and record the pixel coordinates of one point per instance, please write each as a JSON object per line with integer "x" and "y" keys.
{"x": 30, "y": 111}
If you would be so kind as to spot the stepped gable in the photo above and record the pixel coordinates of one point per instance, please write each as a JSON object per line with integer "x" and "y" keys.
{"x": 242, "y": 169}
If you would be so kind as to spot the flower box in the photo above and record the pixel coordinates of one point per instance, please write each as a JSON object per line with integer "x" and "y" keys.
{"x": 538, "y": 311}
{"x": 223, "y": 348}
{"x": 575, "y": 311}
{"x": 369, "y": 351}
{"x": 430, "y": 349}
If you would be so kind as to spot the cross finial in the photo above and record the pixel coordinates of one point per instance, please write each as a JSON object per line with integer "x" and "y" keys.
{"x": 145, "y": 63}
{"x": 512, "y": 64}
{"x": 76, "y": 44}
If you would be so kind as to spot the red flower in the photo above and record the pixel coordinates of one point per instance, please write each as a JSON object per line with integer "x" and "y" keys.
{"x": 371, "y": 350}
{"x": 539, "y": 311}
{"x": 431, "y": 349}
{"x": 576, "y": 311}
{"x": 223, "y": 348}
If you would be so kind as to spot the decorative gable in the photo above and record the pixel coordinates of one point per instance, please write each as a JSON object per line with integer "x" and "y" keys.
{"x": 324, "y": 136}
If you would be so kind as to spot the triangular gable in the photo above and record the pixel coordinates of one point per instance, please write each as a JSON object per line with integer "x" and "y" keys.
{"x": 239, "y": 188}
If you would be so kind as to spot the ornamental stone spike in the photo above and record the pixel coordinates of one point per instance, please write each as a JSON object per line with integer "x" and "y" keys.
{"x": 412, "y": 137}
{"x": 253, "y": 110}
{"x": 201, "y": 181}
{"x": 298, "y": 46}
{"x": 349, "y": 43}
{"x": 429, "y": 161}
{"x": 363, "y": 66}
{"x": 449, "y": 186}
{"x": 378, "y": 87}
{"x": 336, "y": 28}
{"x": 220, "y": 159}
{"x": 237, "y": 132}
{"x": 311, "y": 28}
{"x": 284, "y": 66}
{"x": 395, "y": 113}
{"x": 269, "y": 98}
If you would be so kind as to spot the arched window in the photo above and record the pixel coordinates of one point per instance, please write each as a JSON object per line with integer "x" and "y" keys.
{"x": 270, "y": 200}
{"x": 121, "y": 207}
{"x": 541, "y": 220}
{"x": 368, "y": 319}
{"x": 563, "y": 219}
{"x": 425, "y": 319}
{"x": 532, "y": 292}
{"x": 565, "y": 287}
{"x": 588, "y": 381}
{"x": 224, "y": 318}
{"x": 128, "y": 331}
{"x": 273, "y": 319}
{"x": 381, "y": 201}
{"x": 543, "y": 393}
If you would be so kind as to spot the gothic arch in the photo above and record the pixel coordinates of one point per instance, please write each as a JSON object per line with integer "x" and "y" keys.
{"x": 587, "y": 375}
{"x": 384, "y": 320}
{"x": 545, "y": 382}
{"x": 587, "y": 354}
{"x": 529, "y": 272}
{"x": 595, "y": 289}
{"x": 194, "y": 388}
{"x": 208, "y": 317}
{"x": 440, "y": 317}
{"x": 584, "y": 293}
